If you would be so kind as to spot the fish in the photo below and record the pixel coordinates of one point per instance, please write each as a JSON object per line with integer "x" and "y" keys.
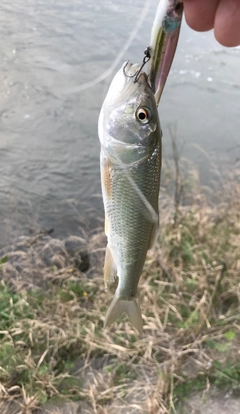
{"x": 130, "y": 158}
{"x": 163, "y": 43}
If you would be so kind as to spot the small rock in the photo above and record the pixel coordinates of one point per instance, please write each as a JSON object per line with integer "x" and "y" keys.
{"x": 98, "y": 241}
{"x": 10, "y": 407}
{"x": 58, "y": 261}
{"x": 82, "y": 262}
{"x": 23, "y": 246}
{"x": 80, "y": 407}
{"x": 52, "y": 248}
{"x": 57, "y": 247}
{"x": 77, "y": 248}
{"x": 74, "y": 245}
{"x": 39, "y": 242}
{"x": 33, "y": 277}
{"x": 18, "y": 267}
{"x": 22, "y": 239}
{"x": 16, "y": 257}
{"x": 6, "y": 250}
{"x": 8, "y": 272}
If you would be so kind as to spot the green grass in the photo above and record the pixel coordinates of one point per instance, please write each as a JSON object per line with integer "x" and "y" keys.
{"x": 190, "y": 302}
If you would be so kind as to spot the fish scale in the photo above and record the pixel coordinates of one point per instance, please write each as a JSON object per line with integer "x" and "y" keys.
{"x": 130, "y": 136}
{"x": 130, "y": 223}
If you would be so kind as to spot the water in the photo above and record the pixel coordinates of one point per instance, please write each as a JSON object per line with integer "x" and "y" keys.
{"x": 49, "y": 150}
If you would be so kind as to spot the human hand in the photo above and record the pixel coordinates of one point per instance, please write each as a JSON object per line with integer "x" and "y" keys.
{"x": 221, "y": 15}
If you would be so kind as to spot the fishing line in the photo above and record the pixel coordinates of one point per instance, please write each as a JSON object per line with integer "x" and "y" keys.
{"x": 119, "y": 57}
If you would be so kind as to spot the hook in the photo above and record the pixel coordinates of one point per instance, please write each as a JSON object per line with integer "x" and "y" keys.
{"x": 146, "y": 58}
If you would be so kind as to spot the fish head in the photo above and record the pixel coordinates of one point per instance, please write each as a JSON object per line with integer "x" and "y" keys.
{"x": 129, "y": 124}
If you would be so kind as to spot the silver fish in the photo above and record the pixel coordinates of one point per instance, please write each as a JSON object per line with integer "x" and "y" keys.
{"x": 130, "y": 136}
{"x": 163, "y": 43}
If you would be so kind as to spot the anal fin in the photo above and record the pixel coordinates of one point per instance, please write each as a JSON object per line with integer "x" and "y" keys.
{"x": 110, "y": 271}
{"x": 153, "y": 235}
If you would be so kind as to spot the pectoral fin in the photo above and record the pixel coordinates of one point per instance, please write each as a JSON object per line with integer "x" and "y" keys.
{"x": 106, "y": 186}
{"x": 106, "y": 176}
{"x": 110, "y": 270}
{"x": 106, "y": 224}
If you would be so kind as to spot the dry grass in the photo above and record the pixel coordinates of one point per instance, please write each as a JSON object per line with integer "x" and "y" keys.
{"x": 53, "y": 347}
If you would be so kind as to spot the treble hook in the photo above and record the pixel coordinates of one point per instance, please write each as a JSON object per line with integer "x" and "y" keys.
{"x": 146, "y": 58}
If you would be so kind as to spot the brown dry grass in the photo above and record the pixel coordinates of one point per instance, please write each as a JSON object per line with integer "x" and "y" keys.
{"x": 53, "y": 346}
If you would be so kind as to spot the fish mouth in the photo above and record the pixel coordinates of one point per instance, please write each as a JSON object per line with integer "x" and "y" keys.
{"x": 131, "y": 71}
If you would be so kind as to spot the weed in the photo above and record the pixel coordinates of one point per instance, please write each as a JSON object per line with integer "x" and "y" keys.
{"x": 189, "y": 294}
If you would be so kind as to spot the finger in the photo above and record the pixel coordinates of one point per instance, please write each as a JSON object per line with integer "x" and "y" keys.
{"x": 200, "y": 14}
{"x": 227, "y": 23}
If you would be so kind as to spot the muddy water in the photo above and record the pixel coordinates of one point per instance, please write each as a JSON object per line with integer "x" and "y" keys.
{"x": 49, "y": 150}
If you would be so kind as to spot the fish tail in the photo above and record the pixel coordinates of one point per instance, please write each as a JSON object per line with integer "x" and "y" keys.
{"x": 130, "y": 307}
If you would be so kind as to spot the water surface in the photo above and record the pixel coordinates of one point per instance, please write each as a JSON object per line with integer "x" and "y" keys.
{"x": 49, "y": 150}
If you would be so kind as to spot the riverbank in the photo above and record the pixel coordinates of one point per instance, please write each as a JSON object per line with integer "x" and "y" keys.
{"x": 52, "y": 307}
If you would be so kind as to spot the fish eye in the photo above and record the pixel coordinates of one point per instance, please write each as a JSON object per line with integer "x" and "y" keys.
{"x": 143, "y": 115}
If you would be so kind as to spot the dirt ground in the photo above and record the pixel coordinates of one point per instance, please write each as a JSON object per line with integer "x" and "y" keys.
{"x": 212, "y": 402}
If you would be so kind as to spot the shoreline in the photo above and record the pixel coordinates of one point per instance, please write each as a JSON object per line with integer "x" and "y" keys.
{"x": 54, "y": 352}
{"x": 28, "y": 258}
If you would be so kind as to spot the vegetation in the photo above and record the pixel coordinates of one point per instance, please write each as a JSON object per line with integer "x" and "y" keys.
{"x": 52, "y": 343}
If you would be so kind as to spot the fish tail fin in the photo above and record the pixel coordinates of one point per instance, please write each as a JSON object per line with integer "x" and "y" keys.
{"x": 130, "y": 307}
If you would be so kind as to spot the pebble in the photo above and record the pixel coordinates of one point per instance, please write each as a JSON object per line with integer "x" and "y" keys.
{"x": 29, "y": 257}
